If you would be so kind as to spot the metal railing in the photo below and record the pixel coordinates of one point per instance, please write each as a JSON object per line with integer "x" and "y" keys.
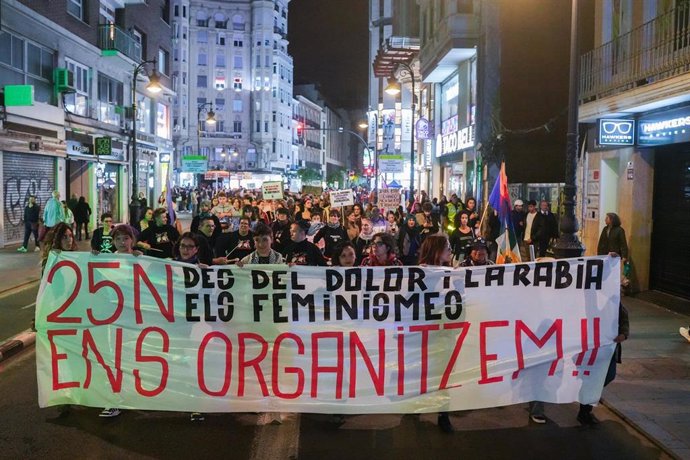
{"x": 654, "y": 51}
{"x": 111, "y": 37}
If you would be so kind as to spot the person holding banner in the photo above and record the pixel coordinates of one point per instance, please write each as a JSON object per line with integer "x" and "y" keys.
{"x": 264, "y": 254}
{"x": 436, "y": 252}
{"x": 125, "y": 240}
{"x": 160, "y": 237}
{"x": 384, "y": 252}
{"x": 59, "y": 238}
{"x": 281, "y": 231}
{"x": 479, "y": 254}
{"x": 344, "y": 255}
{"x": 102, "y": 240}
{"x": 302, "y": 252}
{"x": 237, "y": 244}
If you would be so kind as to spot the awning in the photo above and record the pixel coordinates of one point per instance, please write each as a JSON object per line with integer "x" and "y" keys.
{"x": 395, "y": 50}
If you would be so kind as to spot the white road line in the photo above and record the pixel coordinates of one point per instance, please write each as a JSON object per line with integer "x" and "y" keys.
{"x": 277, "y": 441}
{"x": 28, "y": 306}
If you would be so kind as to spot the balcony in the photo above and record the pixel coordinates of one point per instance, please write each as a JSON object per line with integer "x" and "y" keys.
{"x": 657, "y": 50}
{"x": 112, "y": 38}
{"x": 453, "y": 41}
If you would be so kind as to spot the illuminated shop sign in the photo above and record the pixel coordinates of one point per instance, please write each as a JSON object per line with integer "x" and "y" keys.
{"x": 670, "y": 127}
{"x": 616, "y": 132}
{"x": 461, "y": 140}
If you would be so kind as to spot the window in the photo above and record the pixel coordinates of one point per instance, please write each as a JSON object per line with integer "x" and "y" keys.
{"x": 163, "y": 61}
{"x": 238, "y": 43}
{"x": 110, "y": 94}
{"x": 219, "y": 83}
{"x": 220, "y": 39}
{"x": 237, "y": 105}
{"x": 202, "y": 59}
{"x": 78, "y": 102}
{"x": 220, "y": 21}
{"x": 236, "y": 126}
{"x": 220, "y": 104}
{"x": 202, "y": 36}
{"x": 165, "y": 11}
{"x": 201, "y": 81}
{"x": 237, "y": 83}
{"x": 24, "y": 63}
{"x": 258, "y": 60}
{"x": 200, "y": 100}
{"x": 176, "y": 9}
{"x": 258, "y": 126}
{"x": 184, "y": 32}
{"x": 201, "y": 19}
{"x": 237, "y": 62}
{"x": 265, "y": 126}
{"x": 220, "y": 59}
{"x": 274, "y": 116}
{"x": 268, "y": 61}
{"x": 76, "y": 8}
{"x": 184, "y": 11}
{"x": 238, "y": 22}
{"x": 163, "y": 121}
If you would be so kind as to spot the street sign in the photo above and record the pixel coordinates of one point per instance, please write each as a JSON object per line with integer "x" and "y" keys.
{"x": 197, "y": 164}
{"x": 389, "y": 199}
{"x": 272, "y": 190}
{"x": 390, "y": 163}
{"x": 340, "y": 198}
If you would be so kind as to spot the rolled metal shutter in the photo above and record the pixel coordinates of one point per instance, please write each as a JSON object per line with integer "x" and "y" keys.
{"x": 24, "y": 175}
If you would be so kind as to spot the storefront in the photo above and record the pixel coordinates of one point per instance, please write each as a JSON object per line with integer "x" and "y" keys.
{"x": 647, "y": 183}
{"x": 24, "y": 174}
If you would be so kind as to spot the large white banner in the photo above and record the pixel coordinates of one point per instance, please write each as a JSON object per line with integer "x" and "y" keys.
{"x": 137, "y": 332}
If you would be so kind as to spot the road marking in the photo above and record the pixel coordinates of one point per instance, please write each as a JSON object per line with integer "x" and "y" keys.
{"x": 277, "y": 441}
{"x": 28, "y": 306}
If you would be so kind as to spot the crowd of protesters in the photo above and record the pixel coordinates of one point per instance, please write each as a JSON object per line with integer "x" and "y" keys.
{"x": 240, "y": 227}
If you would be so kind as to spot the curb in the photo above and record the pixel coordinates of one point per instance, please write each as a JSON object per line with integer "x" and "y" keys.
{"x": 16, "y": 344}
{"x": 640, "y": 430}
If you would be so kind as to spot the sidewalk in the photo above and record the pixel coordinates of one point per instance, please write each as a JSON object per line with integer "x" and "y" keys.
{"x": 651, "y": 390}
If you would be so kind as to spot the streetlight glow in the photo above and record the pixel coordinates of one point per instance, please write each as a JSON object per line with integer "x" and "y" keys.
{"x": 154, "y": 85}
{"x": 393, "y": 87}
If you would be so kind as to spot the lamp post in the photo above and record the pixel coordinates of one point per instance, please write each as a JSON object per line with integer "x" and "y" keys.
{"x": 568, "y": 244}
{"x": 376, "y": 148}
{"x": 153, "y": 86}
{"x": 361, "y": 139}
{"x": 210, "y": 119}
{"x": 393, "y": 88}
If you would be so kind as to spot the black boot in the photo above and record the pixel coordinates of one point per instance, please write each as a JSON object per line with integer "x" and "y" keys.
{"x": 585, "y": 416}
{"x": 444, "y": 422}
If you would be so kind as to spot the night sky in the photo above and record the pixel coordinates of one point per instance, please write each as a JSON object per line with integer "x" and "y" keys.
{"x": 329, "y": 41}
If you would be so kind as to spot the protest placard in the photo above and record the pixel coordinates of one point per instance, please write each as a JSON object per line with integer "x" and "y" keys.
{"x": 144, "y": 333}
{"x": 341, "y": 198}
{"x": 272, "y": 190}
{"x": 389, "y": 198}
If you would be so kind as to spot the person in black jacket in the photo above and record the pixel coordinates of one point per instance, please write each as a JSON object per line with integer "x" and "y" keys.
{"x": 302, "y": 252}
{"x": 333, "y": 233}
{"x": 204, "y": 212}
{"x": 281, "y": 231}
{"x": 82, "y": 215}
{"x": 612, "y": 238}
{"x": 544, "y": 228}
{"x": 159, "y": 238}
{"x": 32, "y": 212}
{"x": 102, "y": 240}
{"x": 236, "y": 245}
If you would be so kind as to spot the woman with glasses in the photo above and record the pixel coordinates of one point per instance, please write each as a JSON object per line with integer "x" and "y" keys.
{"x": 436, "y": 252}
{"x": 263, "y": 254}
{"x": 383, "y": 252}
{"x": 187, "y": 248}
{"x": 102, "y": 240}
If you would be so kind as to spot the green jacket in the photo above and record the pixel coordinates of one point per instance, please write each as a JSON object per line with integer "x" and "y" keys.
{"x": 612, "y": 239}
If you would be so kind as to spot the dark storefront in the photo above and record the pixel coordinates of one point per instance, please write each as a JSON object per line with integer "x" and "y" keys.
{"x": 670, "y": 258}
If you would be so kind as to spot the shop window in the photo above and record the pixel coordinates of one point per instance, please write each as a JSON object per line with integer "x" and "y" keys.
{"x": 78, "y": 101}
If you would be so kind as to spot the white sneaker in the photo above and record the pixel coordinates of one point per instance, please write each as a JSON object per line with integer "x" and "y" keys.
{"x": 110, "y": 412}
{"x": 685, "y": 332}
{"x": 37, "y": 249}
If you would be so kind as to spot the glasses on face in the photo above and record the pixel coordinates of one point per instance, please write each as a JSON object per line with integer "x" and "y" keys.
{"x": 187, "y": 246}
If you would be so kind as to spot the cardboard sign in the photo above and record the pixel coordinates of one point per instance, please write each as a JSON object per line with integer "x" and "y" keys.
{"x": 389, "y": 199}
{"x": 341, "y": 198}
{"x": 272, "y": 190}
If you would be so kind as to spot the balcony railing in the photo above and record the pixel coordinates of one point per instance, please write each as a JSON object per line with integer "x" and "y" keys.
{"x": 111, "y": 37}
{"x": 654, "y": 51}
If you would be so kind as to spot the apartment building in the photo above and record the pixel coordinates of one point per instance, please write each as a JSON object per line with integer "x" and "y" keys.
{"x": 66, "y": 72}
{"x": 635, "y": 105}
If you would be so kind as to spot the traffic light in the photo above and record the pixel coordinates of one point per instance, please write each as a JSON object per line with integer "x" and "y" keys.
{"x": 368, "y": 171}
{"x": 300, "y": 130}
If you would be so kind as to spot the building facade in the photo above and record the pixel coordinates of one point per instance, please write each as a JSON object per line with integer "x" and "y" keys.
{"x": 78, "y": 60}
{"x": 231, "y": 59}
{"x": 635, "y": 104}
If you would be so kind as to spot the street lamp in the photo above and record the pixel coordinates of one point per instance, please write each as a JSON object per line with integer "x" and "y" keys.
{"x": 153, "y": 86}
{"x": 365, "y": 125}
{"x": 568, "y": 245}
{"x": 393, "y": 89}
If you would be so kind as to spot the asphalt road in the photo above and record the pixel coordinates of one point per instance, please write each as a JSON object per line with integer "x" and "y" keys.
{"x": 28, "y": 432}
{"x": 16, "y": 311}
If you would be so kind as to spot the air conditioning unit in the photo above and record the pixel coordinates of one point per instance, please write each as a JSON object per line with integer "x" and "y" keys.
{"x": 63, "y": 80}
